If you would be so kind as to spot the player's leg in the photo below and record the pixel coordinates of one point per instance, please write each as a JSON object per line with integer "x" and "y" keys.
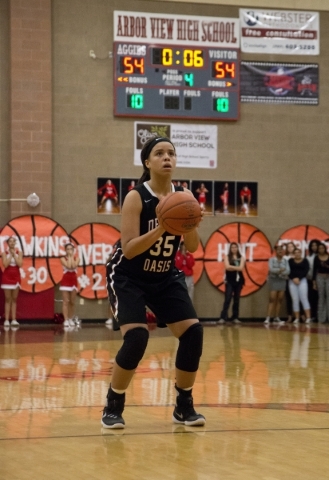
{"x": 190, "y": 335}
{"x": 173, "y": 306}
{"x": 128, "y": 307}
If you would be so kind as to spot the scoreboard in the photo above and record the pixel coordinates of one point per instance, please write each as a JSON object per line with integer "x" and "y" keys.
{"x": 175, "y": 81}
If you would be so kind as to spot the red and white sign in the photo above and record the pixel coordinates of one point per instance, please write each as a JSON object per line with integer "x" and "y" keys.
{"x": 280, "y": 31}
{"x": 164, "y": 28}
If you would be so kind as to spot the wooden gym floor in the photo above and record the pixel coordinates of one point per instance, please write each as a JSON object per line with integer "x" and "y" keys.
{"x": 264, "y": 392}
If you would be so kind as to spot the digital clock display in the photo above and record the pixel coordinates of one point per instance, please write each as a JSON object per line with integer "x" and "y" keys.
{"x": 174, "y": 81}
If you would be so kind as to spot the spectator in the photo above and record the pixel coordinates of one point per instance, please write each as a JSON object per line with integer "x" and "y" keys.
{"x": 184, "y": 261}
{"x": 278, "y": 273}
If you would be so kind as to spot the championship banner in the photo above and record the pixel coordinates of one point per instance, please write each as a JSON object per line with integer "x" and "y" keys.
{"x": 164, "y": 28}
{"x": 196, "y": 145}
{"x": 287, "y": 83}
{"x": 94, "y": 247}
{"x": 301, "y": 236}
{"x": 42, "y": 241}
{"x": 280, "y": 32}
{"x": 253, "y": 245}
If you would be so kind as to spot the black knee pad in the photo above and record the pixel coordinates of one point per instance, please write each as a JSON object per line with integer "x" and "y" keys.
{"x": 133, "y": 348}
{"x": 190, "y": 348}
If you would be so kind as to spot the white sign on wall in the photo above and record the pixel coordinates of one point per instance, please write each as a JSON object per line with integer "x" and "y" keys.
{"x": 280, "y": 31}
{"x": 164, "y": 28}
{"x": 196, "y": 145}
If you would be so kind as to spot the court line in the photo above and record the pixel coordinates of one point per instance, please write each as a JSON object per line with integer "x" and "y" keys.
{"x": 197, "y": 430}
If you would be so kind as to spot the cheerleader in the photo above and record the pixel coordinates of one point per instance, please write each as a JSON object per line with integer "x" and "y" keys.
{"x": 12, "y": 260}
{"x": 69, "y": 284}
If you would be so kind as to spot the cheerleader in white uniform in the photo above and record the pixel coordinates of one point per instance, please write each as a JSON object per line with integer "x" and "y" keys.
{"x": 12, "y": 260}
{"x": 69, "y": 284}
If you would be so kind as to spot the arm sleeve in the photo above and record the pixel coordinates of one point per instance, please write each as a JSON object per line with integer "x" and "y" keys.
{"x": 287, "y": 270}
{"x": 305, "y": 266}
{"x": 272, "y": 268}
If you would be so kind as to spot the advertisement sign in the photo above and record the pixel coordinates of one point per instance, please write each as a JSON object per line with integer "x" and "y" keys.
{"x": 280, "y": 32}
{"x": 287, "y": 83}
{"x": 196, "y": 145}
{"x": 253, "y": 245}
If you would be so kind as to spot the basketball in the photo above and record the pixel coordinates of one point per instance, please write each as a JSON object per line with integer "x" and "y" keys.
{"x": 254, "y": 246}
{"x": 42, "y": 241}
{"x": 179, "y": 213}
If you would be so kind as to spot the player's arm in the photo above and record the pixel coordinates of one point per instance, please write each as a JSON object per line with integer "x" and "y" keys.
{"x": 132, "y": 242}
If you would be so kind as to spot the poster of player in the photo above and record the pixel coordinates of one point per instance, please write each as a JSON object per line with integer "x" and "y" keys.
{"x": 108, "y": 195}
{"x": 127, "y": 184}
{"x": 182, "y": 183}
{"x": 247, "y": 199}
{"x": 203, "y": 192}
{"x": 225, "y": 198}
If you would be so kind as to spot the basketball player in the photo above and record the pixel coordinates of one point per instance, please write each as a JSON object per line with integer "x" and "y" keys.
{"x": 69, "y": 284}
{"x": 142, "y": 273}
{"x": 224, "y": 198}
{"x": 245, "y": 195}
{"x": 12, "y": 260}
{"x": 202, "y": 191}
{"x": 109, "y": 192}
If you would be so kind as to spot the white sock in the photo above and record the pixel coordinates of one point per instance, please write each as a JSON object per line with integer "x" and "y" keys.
{"x": 115, "y": 390}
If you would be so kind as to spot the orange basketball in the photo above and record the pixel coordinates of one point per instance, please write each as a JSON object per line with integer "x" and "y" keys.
{"x": 94, "y": 246}
{"x": 42, "y": 241}
{"x": 179, "y": 213}
{"x": 254, "y": 246}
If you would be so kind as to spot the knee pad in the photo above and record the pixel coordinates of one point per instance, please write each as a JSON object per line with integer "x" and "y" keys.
{"x": 133, "y": 348}
{"x": 190, "y": 348}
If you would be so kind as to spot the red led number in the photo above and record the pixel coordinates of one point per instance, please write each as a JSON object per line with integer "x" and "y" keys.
{"x": 223, "y": 69}
{"x": 133, "y": 65}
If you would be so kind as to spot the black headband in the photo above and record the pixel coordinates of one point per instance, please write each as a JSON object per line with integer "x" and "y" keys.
{"x": 145, "y": 153}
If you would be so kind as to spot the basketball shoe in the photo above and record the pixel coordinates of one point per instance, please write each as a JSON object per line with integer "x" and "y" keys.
{"x": 112, "y": 413}
{"x": 184, "y": 412}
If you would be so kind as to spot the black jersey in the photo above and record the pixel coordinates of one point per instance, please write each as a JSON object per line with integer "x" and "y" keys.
{"x": 159, "y": 260}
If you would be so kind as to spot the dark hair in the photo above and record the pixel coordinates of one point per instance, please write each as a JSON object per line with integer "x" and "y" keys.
{"x": 145, "y": 152}
{"x": 69, "y": 244}
{"x": 321, "y": 244}
{"x": 230, "y": 255}
{"x": 315, "y": 240}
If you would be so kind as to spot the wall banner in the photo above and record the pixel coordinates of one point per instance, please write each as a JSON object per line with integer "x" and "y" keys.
{"x": 254, "y": 246}
{"x": 94, "y": 243}
{"x": 287, "y": 83}
{"x": 196, "y": 145}
{"x": 164, "y": 28}
{"x": 280, "y": 32}
{"x": 42, "y": 241}
{"x": 302, "y": 235}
